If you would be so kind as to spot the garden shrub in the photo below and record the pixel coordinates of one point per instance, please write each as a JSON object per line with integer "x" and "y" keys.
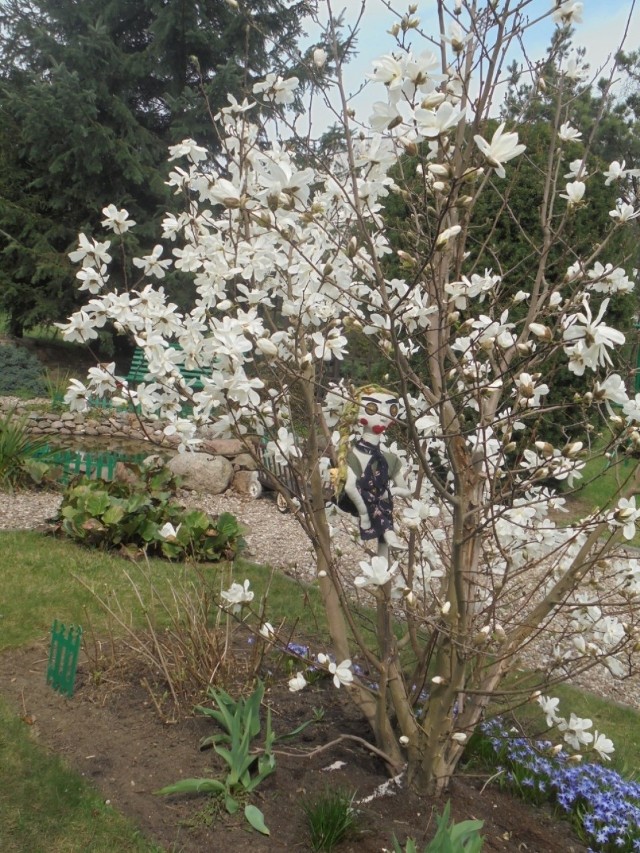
{"x": 139, "y": 516}
{"x": 20, "y": 373}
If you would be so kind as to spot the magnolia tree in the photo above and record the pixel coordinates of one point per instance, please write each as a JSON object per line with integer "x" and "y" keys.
{"x": 291, "y": 257}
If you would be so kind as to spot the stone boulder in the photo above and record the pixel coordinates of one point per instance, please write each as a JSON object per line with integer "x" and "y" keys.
{"x": 201, "y": 472}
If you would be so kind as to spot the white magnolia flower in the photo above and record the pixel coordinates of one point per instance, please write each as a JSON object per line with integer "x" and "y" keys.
{"x": 237, "y": 596}
{"x": 116, "y": 220}
{"x": 77, "y": 396}
{"x": 612, "y": 389}
{"x": 574, "y": 192}
{"x": 375, "y": 573}
{"x": 384, "y": 116}
{"x": 577, "y": 170}
{"x": 188, "y": 148}
{"x": 624, "y": 212}
{"x": 567, "y": 12}
{"x": 626, "y": 515}
{"x": 549, "y": 707}
{"x": 151, "y": 264}
{"x": 529, "y": 393}
{"x": 573, "y": 70}
{"x": 568, "y": 133}
{"x": 433, "y": 123}
{"x": 278, "y": 89}
{"x": 502, "y": 148}
{"x": 80, "y": 328}
{"x": 319, "y": 57}
{"x": 169, "y": 532}
{"x": 603, "y": 746}
{"x": 575, "y": 730}
{"x": 419, "y": 511}
{"x": 590, "y": 339}
{"x": 341, "y": 672}
{"x": 617, "y": 171}
{"x": 268, "y": 631}
{"x": 285, "y": 447}
{"x": 90, "y": 253}
{"x": 298, "y": 682}
{"x": 92, "y": 279}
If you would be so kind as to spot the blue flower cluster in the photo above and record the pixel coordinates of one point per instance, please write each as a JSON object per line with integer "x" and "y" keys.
{"x": 604, "y": 807}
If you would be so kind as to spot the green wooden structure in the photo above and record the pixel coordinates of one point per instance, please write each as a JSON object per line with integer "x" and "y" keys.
{"x": 139, "y": 370}
{"x": 98, "y": 466}
{"x": 63, "y": 657}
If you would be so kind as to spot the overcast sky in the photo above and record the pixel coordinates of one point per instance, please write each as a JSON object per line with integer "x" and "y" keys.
{"x": 600, "y": 32}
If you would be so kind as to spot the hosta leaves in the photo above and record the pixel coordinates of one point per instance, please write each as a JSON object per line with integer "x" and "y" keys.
{"x": 125, "y": 515}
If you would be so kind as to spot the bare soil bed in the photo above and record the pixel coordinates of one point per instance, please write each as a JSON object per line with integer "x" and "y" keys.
{"x": 112, "y": 735}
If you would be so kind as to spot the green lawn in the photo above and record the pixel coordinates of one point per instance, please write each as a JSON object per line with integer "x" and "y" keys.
{"x": 43, "y": 805}
{"x": 46, "y": 807}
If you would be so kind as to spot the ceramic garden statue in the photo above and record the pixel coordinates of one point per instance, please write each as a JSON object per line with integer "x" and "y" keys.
{"x": 372, "y": 476}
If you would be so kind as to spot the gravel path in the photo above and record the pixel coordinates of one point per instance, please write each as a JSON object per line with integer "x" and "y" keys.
{"x": 273, "y": 538}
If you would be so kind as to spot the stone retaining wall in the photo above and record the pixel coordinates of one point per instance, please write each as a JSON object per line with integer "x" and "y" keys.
{"x": 238, "y": 472}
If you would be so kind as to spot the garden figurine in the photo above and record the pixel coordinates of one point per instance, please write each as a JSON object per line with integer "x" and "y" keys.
{"x": 371, "y": 476}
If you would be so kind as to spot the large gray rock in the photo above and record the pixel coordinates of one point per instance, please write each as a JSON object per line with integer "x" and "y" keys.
{"x": 202, "y": 472}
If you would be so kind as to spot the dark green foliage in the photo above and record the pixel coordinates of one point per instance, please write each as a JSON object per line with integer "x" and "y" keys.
{"x": 20, "y": 372}
{"x": 91, "y": 96}
{"x": 330, "y": 817}
{"x": 131, "y": 517}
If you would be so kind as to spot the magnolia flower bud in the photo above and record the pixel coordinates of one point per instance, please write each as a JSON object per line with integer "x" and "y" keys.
{"x": 266, "y": 347}
{"x": 406, "y": 258}
{"x": 460, "y": 737}
{"x": 572, "y": 449}
{"x": 541, "y": 331}
{"x": 432, "y": 100}
{"x": 545, "y": 448}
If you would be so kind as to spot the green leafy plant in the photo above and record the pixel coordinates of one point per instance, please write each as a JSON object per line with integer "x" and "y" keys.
{"x": 451, "y": 837}
{"x": 139, "y": 515}
{"x": 21, "y": 372}
{"x": 330, "y": 817}
{"x": 240, "y": 720}
{"x": 246, "y": 769}
{"x": 18, "y": 450}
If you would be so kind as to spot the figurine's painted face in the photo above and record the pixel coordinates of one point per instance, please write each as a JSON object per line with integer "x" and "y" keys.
{"x": 378, "y": 411}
